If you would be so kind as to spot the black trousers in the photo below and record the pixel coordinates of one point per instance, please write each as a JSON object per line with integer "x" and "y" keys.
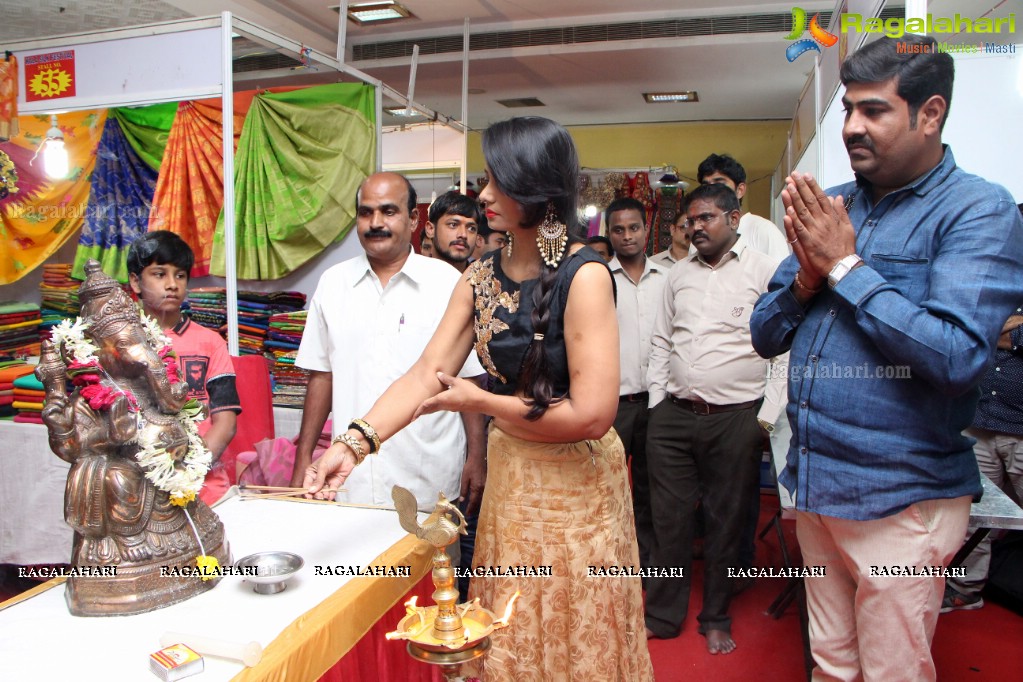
{"x": 631, "y": 425}
{"x": 693, "y": 457}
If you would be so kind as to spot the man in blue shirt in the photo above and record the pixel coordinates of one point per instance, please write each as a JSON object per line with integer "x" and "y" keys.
{"x": 891, "y": 306}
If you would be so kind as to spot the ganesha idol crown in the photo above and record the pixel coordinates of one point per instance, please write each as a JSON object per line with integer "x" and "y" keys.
{"x": 104, "y": 302}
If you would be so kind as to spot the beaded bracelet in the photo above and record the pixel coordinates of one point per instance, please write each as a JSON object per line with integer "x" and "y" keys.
{"x": 354, "y": 445}
{"x": 368, "y": 431}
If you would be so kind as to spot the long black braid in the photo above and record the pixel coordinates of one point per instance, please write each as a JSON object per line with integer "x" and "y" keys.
{"x": 533, "y": 160}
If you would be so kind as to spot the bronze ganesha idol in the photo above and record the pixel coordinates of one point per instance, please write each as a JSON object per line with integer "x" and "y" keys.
{"x": 125, "y": 403}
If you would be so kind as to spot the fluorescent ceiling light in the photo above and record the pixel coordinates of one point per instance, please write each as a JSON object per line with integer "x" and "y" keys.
{"x": 661, "y": 97}
{"x": 368, "y": 12}
{"x": 402, "y": 111}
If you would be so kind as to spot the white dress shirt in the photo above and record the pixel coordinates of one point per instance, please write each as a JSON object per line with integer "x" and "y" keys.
{"x": 701, "y": 348}
{"x": 637, "y": 311}
{"x": 664, "y": 258}
{"x": 367, "y": 336}
{"x": 764, "y": 236}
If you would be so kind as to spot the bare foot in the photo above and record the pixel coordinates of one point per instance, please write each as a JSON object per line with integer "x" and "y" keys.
{"x": 720, "y": 642}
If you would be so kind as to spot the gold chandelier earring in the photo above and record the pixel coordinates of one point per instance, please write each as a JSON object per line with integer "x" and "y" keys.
{"x": 508, "y": 248}
{"x": 551, "y": 237}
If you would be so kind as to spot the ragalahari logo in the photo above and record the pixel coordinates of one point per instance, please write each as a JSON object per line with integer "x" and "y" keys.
{"x": 818, "y": 35}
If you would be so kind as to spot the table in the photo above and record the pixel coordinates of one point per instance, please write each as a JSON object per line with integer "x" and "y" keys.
{"x": 303, "y": 630}
{"x": 287, "y": 421}
{"x": 32, "y": 479}
{"x": 996, "y": 510}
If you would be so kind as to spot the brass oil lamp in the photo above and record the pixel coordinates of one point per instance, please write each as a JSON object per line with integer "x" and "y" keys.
{"x": 446, "y": 634}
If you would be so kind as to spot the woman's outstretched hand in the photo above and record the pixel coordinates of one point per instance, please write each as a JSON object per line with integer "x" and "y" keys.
{"x": 325, "y": 476}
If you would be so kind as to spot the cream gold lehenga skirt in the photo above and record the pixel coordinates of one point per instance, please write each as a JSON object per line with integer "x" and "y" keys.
{"x": 566, "y": 506}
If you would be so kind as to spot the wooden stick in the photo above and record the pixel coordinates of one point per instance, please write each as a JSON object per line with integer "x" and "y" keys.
{"x": 290, "y": 498}
{"x": 293, "y": 493}
{"x": 246, "y": 486}
{"x": 266, "y": 496}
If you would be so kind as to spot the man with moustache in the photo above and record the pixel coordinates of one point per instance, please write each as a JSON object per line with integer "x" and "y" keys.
{"x": 640, "y": 285}
{"x": 369, "y": 321}
{"x": 707, "y": 388}
{"x": 760, "y": 233}
{"x": 679, "y": 248}
{"x": 453, "y": 227}
{"x": 914, "y": 266}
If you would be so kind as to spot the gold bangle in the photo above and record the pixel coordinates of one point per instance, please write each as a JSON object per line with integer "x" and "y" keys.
{"x": 799, "y": 284}
{"x": 353, "y": 445}
{"x": 368, "y": 431}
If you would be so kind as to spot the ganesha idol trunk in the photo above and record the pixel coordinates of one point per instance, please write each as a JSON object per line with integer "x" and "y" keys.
{"x": 143, "y": 540}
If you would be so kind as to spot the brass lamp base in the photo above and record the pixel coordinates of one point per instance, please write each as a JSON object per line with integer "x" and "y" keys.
{"x": 449, "y": 657}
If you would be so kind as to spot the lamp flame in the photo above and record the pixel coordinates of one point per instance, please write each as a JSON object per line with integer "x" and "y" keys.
{"x": 503, "y": 620}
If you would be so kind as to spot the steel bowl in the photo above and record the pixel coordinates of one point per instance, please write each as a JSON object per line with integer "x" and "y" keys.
{"x": 269, "y": 571}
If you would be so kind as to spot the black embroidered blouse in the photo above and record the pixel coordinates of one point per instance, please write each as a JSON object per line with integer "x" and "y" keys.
{"x": 504, "y": 326}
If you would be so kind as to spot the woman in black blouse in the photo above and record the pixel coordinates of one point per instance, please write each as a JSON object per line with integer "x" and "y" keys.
{"x": 540, "y": 315}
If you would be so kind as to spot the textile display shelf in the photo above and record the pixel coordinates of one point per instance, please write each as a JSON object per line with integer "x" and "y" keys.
{"x": 303, "y": 630}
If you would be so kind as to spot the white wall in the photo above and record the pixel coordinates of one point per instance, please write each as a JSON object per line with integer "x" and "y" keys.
{"x": 983, "y": 126}
{"x": 985, "y": 121}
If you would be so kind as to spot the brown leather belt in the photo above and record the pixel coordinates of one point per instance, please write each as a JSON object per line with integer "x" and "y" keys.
{"x": 634, "y": 397}
{"x": 702, "y": 408}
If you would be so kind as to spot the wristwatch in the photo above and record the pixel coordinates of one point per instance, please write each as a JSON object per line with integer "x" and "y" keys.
{"x": 842, "y": 269}
{"x": 765, "y": 425}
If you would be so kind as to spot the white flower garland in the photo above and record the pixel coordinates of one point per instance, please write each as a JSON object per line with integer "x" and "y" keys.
{"x": 181, "y": 483}
{"x": 72, "y": 336}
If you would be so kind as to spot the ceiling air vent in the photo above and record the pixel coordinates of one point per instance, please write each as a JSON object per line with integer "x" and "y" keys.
{"x": 264, "y": 62}
{"x": 521, "y": 102}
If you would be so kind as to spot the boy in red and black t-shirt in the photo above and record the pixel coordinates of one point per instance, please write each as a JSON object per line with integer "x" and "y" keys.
{"x": 159, "y": 264}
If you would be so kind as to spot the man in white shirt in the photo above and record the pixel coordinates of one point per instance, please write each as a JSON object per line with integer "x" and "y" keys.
{"x": 640, "y": 284}
{"x": 368, "y": 322}
{"x": 707, "y": 390}
{"x": 759, "y": 233}
{"x": 679, "y": 244}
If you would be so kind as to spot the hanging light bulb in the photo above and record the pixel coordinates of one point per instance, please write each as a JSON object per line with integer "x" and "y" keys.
{"x": 55, "y": 161}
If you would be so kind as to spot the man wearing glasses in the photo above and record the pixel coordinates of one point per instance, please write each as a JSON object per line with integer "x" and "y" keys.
{"x": 709, "y": 412}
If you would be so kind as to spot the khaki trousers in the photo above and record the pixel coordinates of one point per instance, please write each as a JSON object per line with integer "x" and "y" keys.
{"x": 865, "y": 625}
